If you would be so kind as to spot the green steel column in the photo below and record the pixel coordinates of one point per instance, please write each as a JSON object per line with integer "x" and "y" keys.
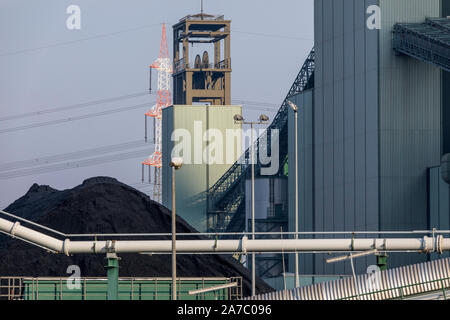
{"x": 112, "y": 269}
{"x": 382, "y": 261}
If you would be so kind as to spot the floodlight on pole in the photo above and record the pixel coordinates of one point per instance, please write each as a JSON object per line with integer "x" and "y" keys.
{"x": 261, "y": 120}
{"x": 175, "y": 164}
{"x": 295, "y": 109}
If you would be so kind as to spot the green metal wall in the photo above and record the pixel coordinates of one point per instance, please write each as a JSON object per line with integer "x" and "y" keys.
{"x": 96, "y": 289}
{"x": 194, "y": 179}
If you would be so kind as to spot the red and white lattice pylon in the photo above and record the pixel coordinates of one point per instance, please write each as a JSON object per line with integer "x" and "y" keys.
{"x": 164, "y": 67}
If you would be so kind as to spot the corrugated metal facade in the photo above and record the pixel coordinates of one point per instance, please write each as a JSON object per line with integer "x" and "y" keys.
{"x": 405, "y": 282}
{"x": 345, "y": 121}
{"x": 305, "y": 101}
{"x": 196, "y": 177}
{"x": 375, "y": 125}
{"x": 410, "y": 125}
{"x": 438, "y": 204}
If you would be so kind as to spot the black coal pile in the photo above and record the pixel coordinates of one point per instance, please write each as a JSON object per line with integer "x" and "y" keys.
{"x": 105, "y": 205}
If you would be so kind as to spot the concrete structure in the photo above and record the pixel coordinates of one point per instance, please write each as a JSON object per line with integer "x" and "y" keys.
{"x": 370, "y": 129}
{"x": 200, "y": 171}
{"x": 202, "y": 111}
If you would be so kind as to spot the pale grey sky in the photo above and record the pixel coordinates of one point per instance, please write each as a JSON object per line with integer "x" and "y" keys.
{"x": 44, "y": 65}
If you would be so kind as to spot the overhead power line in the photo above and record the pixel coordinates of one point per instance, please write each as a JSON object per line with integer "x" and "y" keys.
{"x": 105, "y": 35}
{"x": 248, "y": 105}
{"x": 59, "y": 44}
{"x": 74, "y": 106}
{"x": 74, "y": 164}
{"x": 86, "y": 116}
{"x": 113, "y": 99}
{"x": 278, "y": 36}
{"x": 71, "y": 155}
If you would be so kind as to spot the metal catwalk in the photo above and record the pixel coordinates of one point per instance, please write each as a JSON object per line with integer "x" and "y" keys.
{"x": 428, "y": 42}
{"x": 227, "y": 195}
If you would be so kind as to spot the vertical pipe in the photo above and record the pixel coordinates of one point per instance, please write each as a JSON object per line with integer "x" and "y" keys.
{"x": 149, "y": 174}
{"x": 142, "y": 173}
{"x": 174, "y": 257}
{"x": 284, "y": 267}
{"x": 112, "y": 269}
{"x": 297, "y": 280}
{"x": 253, "y": 210}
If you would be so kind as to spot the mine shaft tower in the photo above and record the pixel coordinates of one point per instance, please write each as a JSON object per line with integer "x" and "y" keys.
{"x": 202, "y": 81}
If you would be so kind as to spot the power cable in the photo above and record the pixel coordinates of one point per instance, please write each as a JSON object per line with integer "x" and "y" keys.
{"x": 58, "y": 44}
{"x": 73, "y": 165}
{"x": 86, "y": 116}
{"x": 278, "y": 36}
{"x": 5, "y": 54}
{"x": 71, "y": 155}
{"x": 74, "y": 106}
{"x": 248, "y": 105}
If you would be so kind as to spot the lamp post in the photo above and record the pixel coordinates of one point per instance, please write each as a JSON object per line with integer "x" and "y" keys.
{"x": 295, "y": 109}
{"x": 262, "y": 119}
{"x": 175, "y": 164}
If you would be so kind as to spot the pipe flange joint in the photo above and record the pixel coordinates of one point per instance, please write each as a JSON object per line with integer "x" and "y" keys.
{"x": 216, "y": 244}
{"x": 13, "y": 230}
{"x": 110, "y": 246}
{"x": 66, "y": 246}
{"x": 244, "y": 244}
{"x": 440, "y": 244}
{"x": 426, "y": 246}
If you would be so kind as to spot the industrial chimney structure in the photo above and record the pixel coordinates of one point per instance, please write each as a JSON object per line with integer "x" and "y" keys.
{"x": 201, "y": 106}
{"x": 206, "y": 80}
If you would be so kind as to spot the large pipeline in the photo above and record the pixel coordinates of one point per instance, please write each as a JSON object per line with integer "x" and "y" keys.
{"x": 425, "y": 245}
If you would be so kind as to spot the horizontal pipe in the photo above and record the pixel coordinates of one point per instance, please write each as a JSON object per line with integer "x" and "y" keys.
{"x": 240, "y": 234}
{"x": 278, "y": 233}
{"x": 244, "y": 245}
{"x": 14, "y": 229}
{"x": 426, "y": 244}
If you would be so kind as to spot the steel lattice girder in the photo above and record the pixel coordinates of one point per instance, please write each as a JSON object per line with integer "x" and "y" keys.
{"x": 428, "y": 42}
{"x": 224, "y": 190}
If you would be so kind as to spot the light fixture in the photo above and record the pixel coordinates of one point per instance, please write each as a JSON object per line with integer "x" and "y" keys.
{"x": 293, "y": 106}
{"x": 263, "y": 118}
{"x": 176, "y": 163}
{"x": 238, "y": 118}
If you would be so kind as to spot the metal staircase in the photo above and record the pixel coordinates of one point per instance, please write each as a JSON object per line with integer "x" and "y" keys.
{"x": 226, "y": 196}
{"x": 428, "y": 42}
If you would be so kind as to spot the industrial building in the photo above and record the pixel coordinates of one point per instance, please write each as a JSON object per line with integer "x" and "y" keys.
{"x": 373, "y": 128}
{"x": 201, "y": 104}
{"x": 371, "y": 175}
{"x": 371, "y": 98}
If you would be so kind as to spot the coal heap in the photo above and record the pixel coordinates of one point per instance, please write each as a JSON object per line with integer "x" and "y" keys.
{"x": 105, "y": 205}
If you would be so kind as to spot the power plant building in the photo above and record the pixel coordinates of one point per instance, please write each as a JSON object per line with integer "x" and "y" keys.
{"x": 371, "y": 128}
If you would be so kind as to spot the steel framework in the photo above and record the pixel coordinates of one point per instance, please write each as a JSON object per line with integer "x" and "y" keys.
{"x": 227, "y": 195}
{"x": 164, "y": 67}
{"x": 428, "y": 42}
